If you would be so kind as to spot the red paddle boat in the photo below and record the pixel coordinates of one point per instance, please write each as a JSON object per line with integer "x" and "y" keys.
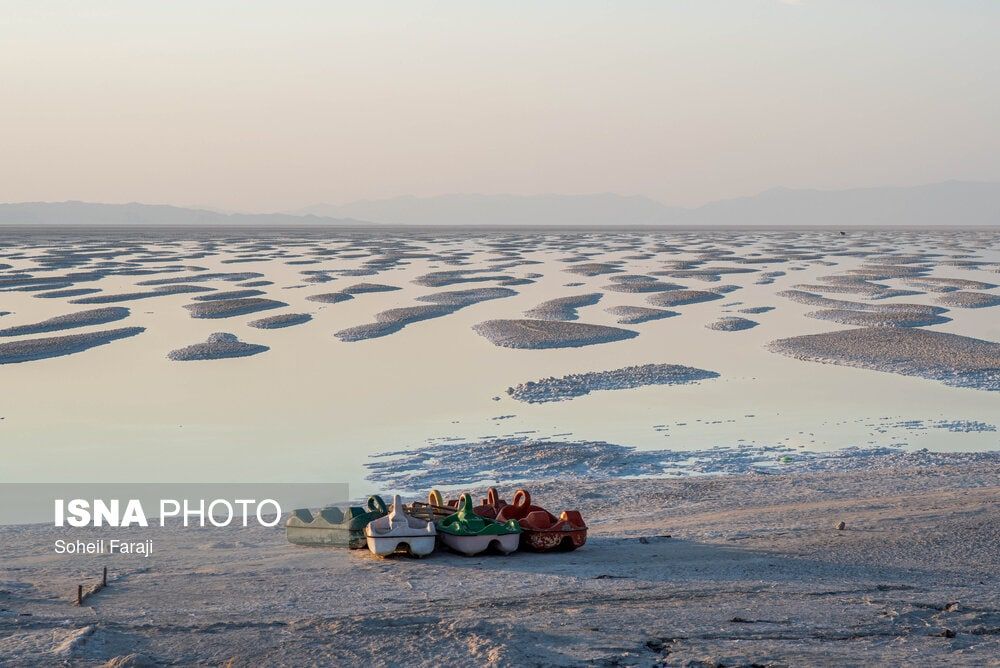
{"x": 543, "y": 531}
{"x": 491, "y": 505}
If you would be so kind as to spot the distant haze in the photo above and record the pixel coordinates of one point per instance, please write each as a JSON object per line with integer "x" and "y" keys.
{"x": 940, "y": 204}
{"x": 951, "y": 203}
{"x": 607, "y": 209}
{"x": 263, "y": 107}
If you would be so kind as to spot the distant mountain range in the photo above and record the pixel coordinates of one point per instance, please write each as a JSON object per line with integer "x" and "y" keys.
{"x": 134, "y": 213}
{"x": 603, "y": 209}
{"x": 957, "y": 203}
{"x": 948, "y": 203}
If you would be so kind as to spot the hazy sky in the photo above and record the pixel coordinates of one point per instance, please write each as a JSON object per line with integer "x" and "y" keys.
{"x": 275, "y": 105}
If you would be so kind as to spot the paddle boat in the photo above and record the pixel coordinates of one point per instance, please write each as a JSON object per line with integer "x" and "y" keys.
{"x": 400, "y": 532}
{"x": 468, "y": 533}
{"x": 437, "y": 507}
{"x": 434, "y": 508}
{"x": 334, "y": 527}
{"x": 491, "y": 505}
{"x": 543, "y": 531}
{"x": 435, "y": 498}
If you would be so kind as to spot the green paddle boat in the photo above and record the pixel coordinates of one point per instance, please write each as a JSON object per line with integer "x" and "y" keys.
{"x": 468, "y": 533}
{"x": 334, "y": 527}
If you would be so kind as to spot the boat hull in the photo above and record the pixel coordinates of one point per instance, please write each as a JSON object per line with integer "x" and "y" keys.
{"x": 418, "y": 546}
{"x": 353, "y": 539}
{"x": 553, "y": 541}
{"x": 470, "y": 545}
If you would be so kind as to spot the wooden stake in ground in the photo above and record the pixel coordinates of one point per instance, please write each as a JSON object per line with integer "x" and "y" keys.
{"x": 80, "y": 596}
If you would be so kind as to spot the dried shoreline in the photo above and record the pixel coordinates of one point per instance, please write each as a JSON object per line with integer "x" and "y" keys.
{"x": 713, "y": 570}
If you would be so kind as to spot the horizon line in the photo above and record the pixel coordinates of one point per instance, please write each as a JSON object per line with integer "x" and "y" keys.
{"x": 211, "y": 208}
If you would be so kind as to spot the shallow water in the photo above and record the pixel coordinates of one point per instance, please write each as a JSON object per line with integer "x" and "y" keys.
{"x": 314, "y": 408}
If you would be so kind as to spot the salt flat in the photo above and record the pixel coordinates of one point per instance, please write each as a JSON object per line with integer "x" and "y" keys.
{"x": 717, "y": 570}
{"x": 366, "y": 369}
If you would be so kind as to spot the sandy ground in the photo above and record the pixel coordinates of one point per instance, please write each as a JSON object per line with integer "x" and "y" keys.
{"x": 713, "y": 570}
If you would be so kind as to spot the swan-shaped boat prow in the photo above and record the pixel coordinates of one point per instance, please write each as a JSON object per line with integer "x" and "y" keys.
{"x": 399, "y": 532}
{"x": 491, "y": 505}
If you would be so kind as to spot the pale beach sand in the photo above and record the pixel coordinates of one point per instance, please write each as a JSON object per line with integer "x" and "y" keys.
{"x": 754, "y": 571}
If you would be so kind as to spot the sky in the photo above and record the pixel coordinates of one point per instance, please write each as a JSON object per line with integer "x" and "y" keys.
{"x": 270, "y": 106}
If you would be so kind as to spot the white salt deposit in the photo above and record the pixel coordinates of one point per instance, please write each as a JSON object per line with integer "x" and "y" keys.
{"x": 955, "y": 360}
{"x": 220, "y": 345}
{"x": 97, "y": 316}
{"x": 229, "y": 308}
{"x": 563, "y": 308}
{"x": 731, "y": 324}
{"x": 579, "y": 384}
{"x": 541, "y": 334}
{"x": 280, "y": 321}
{"x": 634, "y": 315}
{"x": 510, "y": 459}
{"x": 965, "y": 299}
{"x": 682, "y": 297}
{"x": 57, "y": 346}
{"x": 874, "y": 319}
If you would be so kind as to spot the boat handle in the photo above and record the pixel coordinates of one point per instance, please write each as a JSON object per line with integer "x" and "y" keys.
{"x": 376, "y": 504}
